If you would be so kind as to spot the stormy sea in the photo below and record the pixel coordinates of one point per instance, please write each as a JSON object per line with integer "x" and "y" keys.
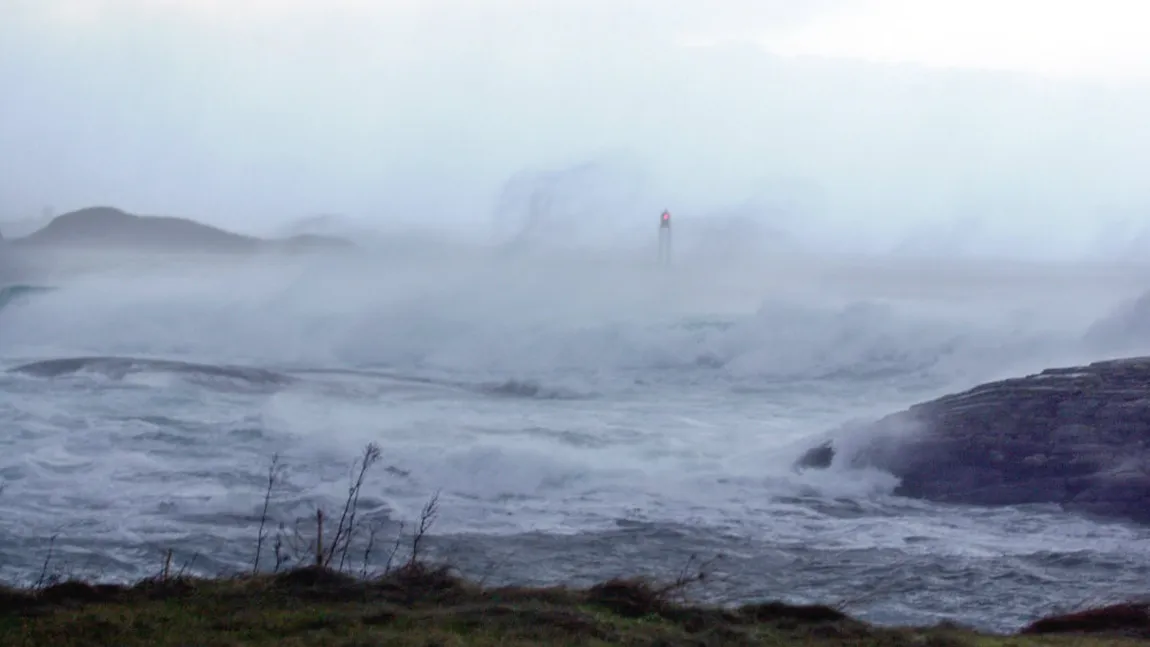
{"x": 581, "y": 414}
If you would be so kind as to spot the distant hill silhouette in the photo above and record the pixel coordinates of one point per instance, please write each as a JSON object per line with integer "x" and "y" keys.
{"x": 111, "y": 228}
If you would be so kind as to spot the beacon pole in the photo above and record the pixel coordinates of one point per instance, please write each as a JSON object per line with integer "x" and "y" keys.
{"x": 665, "y": 238}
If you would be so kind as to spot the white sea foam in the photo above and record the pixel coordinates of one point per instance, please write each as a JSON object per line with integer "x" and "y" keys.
{"x": 550, "y": 394}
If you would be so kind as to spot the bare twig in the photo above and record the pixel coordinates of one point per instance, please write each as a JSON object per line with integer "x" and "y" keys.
{"x": 426, "y": 518}
{"x": 264, "y": 515}
{"x": 300, "y": 548}
{"x": 394, "y": 549}
{"x": 279, "y": 546}
{"x": 319, "y": 537}
{"x": 40, "y": 583}
{"x": 367, "y": 550}
{"x": 344, "y": 529}
{"x": 186, "y": 566}
{"x": 688, "y": 577}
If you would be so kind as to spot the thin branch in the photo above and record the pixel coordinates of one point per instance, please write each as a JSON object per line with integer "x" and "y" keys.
{"x": 343, "y": 532}
{"x": 47, "y": 560}
{"x": 394, "y": 550}
{"x": 264, "y": 515}
{"x": 426, "y": 518}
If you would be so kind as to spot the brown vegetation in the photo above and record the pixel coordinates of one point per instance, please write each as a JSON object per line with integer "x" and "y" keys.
{"x": 322, "y": 599}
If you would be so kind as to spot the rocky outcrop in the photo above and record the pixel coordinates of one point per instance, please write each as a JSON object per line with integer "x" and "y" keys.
{"x": 1079, "y": 437}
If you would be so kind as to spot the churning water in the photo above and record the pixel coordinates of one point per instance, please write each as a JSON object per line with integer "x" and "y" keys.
{"x": 583, "y": 415}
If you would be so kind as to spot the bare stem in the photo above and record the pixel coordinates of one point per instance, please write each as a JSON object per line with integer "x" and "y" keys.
{"x": 47, "y": 560}
{"x": 426, "y": 519}
{"x": 344, "y": 529}
{"x": 264, "y": 514}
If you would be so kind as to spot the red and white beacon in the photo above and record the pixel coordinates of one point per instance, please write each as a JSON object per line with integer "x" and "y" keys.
{"x": 665, "y": 238}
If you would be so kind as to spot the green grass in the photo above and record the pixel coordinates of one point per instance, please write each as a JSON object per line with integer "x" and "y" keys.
{"x": 418, "y": 605}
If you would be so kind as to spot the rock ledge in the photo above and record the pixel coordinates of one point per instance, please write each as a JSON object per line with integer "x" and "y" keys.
{"x": 1077, "y": 436}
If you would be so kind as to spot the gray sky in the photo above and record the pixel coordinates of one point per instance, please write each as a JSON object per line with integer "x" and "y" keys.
{"x": 869, "y": 120}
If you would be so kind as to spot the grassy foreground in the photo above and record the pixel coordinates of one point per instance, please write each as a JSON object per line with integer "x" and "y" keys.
{"x": 420, "y": 605}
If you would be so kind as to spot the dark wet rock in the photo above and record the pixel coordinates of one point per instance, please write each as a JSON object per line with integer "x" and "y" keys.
{"x": 819, "y": 457}
{"x": 118, "y": 367}
{"x": 1078, "y": 437}
{"x": 1130, "y": 619}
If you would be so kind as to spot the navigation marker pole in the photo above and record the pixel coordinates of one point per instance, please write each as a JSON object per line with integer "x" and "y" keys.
{"x": 665, "y": 238}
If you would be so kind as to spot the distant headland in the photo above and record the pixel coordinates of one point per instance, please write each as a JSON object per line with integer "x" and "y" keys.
{"x": 109, "y": 228}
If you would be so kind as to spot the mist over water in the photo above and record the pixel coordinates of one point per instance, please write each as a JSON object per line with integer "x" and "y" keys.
{"x": 567, "y": 398}
{"x": 850, "y": 237}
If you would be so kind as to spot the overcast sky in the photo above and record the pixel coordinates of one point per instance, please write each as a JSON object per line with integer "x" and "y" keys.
{"x": 875, "y": 119}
